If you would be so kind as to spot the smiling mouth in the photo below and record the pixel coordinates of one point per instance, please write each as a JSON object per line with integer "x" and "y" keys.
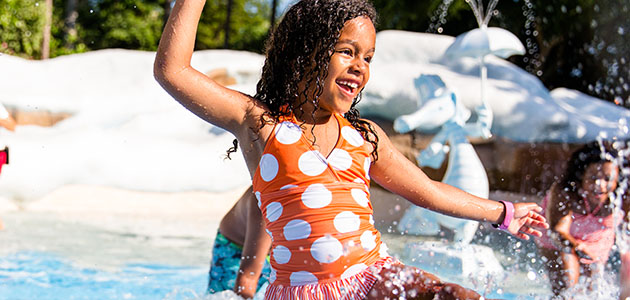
{"x": 349, "y": 87}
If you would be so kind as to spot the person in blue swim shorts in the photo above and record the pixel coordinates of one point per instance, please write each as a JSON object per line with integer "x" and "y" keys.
{"x": 240, "y": 260}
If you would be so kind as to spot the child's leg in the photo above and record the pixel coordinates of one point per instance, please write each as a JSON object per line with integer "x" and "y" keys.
{"x": 400, "y": 281}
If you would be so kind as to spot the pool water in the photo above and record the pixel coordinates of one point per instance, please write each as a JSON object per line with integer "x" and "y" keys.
{"x": 41, "y": 275}
{"x": 44, "y": 256}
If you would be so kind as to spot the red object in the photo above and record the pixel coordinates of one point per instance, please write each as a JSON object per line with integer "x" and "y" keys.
{"x": 4, "y": 158}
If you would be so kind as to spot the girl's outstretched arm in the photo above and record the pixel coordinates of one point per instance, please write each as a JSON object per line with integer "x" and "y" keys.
{"x": 396, "y": 173}
{"x": 209, "y": 100}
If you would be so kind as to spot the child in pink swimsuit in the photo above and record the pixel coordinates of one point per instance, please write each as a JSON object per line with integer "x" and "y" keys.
{"x": 581, "y": 216}
{"x": 311, "y": 156}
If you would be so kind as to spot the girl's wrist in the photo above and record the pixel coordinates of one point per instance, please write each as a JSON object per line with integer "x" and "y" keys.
{"x": 508, "y": 215}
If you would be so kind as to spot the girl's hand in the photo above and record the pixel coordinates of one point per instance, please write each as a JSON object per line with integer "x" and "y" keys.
{"x": 245, "y": 285}
{"x": 526, "y": 219}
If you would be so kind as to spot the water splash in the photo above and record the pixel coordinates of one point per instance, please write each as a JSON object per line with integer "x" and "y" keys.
{"x": 439, "y": 17}
{"x": 532, "y": 57}
{"x": 483, "y": 18}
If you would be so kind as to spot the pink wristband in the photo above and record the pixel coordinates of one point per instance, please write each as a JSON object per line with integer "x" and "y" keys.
{"x": 509, "y": 214}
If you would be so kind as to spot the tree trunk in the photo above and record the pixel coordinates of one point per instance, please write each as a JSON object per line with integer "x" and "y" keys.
{"x": 69, "y": 24}
{"x": 226, "y": 43}
{"x": 47, "y": 23}
{"x": 168, "y": 6}
{"x": 274, "y": 5}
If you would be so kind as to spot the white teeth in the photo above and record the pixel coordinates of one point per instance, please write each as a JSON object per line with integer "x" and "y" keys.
{"x": 353, "y": 85}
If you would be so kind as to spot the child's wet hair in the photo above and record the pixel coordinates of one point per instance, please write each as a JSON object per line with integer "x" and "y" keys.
{"x": 299, "y": 51}
{"x": 590, "y": 153}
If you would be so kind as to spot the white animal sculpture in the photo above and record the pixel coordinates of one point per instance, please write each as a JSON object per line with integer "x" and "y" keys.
{"x": 464, "y": 169}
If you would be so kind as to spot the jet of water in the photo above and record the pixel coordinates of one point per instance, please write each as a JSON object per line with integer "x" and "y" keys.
{"x": 483, "y": 18}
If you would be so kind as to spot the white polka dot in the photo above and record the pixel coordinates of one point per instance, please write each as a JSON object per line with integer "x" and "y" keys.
{"x": 257, "y": 194}
{"x": 346, "y": 221}
{"x": 297, "y": 230}
{"x": 316, "y": 196}
{"x": 352, "y": 136}
{"x": 368, "y": 241}
{"x": 268, "y": 167}
{"x": 359, "y": 180}
{"x": 312, "y": 163}
{"x": 340, "y": 159}
{"x": 272, "y": 276}
{"x": 326, "y": 249}
{"x": 382, "y": 252}
{"x": 366, "y": 167}
{"x": 288, "y": 186}
{"x": 274, "y": 211}
{"x": 360, "y": 197}
{"x": 371, "y": 219}
{"x": 281, "y": 254}
{"x": 288, "y": 133}
{"x": 353, "y": 270}
{"x": 302, "y": 278}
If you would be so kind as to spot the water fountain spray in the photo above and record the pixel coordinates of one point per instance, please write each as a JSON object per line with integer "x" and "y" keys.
{"x": 482, "y": 18}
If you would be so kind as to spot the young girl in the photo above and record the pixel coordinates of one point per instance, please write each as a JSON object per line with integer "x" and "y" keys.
{"x": 580, "y": 215}
{"x": 311, "y": 157}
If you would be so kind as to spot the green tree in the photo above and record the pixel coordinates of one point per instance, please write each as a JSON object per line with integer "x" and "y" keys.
{"x": 128, "y": 24}
{"x": 249, "y": 25}
{"x": 21, "y": 27}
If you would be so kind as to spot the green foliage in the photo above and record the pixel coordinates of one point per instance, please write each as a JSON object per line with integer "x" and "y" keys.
{"x": 135, "y": 24}
{"x": 249, "y": 25}
{"x": 21, "y": 27}
{"x": 128, "y": 24}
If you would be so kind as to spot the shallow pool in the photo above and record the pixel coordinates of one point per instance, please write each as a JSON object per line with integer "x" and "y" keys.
{"x": 46, "y": 256}
{"x": 41, "y": 275}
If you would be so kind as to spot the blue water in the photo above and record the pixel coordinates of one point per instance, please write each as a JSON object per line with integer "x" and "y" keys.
{"x": 41, "y": 275}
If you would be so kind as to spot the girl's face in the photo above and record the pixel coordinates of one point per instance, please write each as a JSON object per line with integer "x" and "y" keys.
{"x": 599, "y": 180}
{"x": 349, "y": 68}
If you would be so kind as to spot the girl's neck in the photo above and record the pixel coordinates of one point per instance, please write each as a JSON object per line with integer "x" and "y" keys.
{"x": 595, "y": 208}
{"x": 307, "y": 116}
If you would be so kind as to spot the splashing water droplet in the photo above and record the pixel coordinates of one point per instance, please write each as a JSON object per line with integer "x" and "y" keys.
{"x": 531, "y": 275}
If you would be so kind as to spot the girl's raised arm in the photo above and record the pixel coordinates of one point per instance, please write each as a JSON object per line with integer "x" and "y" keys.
{"x": 209, "y": 100}
{"x": 396, "y": 173}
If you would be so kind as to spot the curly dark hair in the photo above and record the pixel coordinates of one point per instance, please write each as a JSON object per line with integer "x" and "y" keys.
{"x": 299, "y": 51}
{"x": 590, "y": 153}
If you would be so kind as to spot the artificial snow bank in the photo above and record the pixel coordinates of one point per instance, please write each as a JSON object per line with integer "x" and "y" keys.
{"x": 524, "y": 110}
{"x": 127, "y": 132}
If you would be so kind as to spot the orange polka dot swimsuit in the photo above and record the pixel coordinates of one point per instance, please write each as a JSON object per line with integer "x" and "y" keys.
{"x": 316, "y": 209}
